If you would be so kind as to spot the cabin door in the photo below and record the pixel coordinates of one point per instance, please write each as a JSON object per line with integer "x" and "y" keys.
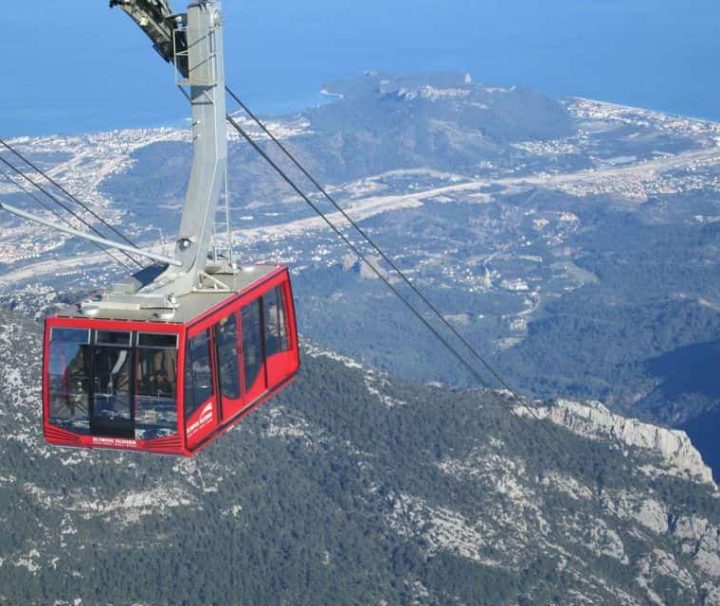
{"x": 111, "y": 410}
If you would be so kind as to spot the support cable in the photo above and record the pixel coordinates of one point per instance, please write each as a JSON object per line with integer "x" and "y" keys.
{"x": 413, "y": 310}
{"x": 9, "y": 179}
{"x": 66, "y": 192}
{"x": 370, "y": 241}
{"x": 228, "y": 231}
{"x": 351, "y": 245}
{"x": 61, "y": 204}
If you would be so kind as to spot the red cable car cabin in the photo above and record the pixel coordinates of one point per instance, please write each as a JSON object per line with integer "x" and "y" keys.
{"x": 142, "y": 383}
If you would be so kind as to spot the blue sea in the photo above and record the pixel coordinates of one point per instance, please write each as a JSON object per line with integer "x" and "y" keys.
{"x": 77, "y": 66}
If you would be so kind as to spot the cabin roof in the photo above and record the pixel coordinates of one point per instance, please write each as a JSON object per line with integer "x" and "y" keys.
{"x": 191, "y": 306}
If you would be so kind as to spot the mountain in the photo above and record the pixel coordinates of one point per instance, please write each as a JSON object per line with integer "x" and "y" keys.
{"x": 382, "y": 123}
{"x": 356, "y": 488}
{"x": 574, "y": 242}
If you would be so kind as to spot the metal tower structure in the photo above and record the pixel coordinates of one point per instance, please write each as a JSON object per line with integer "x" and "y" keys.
{"x": 193, "y": 42}
{"x": 203, "y": 54}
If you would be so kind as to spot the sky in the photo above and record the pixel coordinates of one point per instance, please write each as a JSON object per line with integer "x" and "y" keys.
{"x": 77, "y": 66}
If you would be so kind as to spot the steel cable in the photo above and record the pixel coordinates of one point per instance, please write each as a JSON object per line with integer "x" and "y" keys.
{"x": 61, "y": 204}
{"x": 9, "y": 179}
{"x": 413, "y": 310}
{"x": 66, "y": 192}
{"x": 370, "y": 241}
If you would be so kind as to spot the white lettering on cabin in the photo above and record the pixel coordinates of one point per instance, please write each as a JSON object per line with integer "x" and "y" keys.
{"x": 114, "y": 442}
{"x": 206, "y": 416}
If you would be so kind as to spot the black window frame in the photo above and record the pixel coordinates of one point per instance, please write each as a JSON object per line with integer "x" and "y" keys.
{"x": 126, "y": 428}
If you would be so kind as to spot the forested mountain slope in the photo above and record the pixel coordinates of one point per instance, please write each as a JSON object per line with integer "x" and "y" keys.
{"x": 355, "y": 488}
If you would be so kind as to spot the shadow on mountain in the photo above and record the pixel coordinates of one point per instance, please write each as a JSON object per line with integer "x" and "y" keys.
{"x": 692, "y": 373}
{"x": 703, "y": 432}
{"x": 689, "y": 369}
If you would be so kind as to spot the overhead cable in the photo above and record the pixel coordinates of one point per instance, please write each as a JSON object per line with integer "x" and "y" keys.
{"x": 65, "y": 191}
{"x": 446, "y": 344}
{"x": 60, "y": 203}
{"x": 433, "y": 308}
{"x": 413, "y": 310}
{"x": 10, "y": 179}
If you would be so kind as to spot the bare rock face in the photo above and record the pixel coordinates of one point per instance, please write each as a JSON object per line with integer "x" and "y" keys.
{"x": 594, "y": 421}
{"x": 701, "y": 539}
{"x": 355, "y": 264}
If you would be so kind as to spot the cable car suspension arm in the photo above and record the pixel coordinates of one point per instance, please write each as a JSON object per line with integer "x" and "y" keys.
{"x": 157, "y": 20}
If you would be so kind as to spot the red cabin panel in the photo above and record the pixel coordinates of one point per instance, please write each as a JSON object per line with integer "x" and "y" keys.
{"x": 168, "y": 387}
{"x": 202, "y": 423}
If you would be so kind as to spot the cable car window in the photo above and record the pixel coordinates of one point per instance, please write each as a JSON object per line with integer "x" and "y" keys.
{"x": 155, "y": 400}
{"x": 106, "y": 337}
{"x": 198, "y": 373}
{"x": 112, "y": 409}
{"x": 282, "y": 321}
{"x": 276, "y": 335}
{"x": 69, "y": 369}
{"x": 227, "y": 344}
{"x": 70, "y": 335}
{"x": 157, "y": 341}
{"x": 252, "y": 342}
